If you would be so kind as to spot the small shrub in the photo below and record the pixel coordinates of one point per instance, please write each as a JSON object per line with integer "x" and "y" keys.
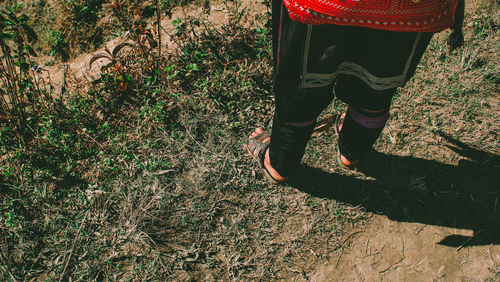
{"x": 20, "y": 90}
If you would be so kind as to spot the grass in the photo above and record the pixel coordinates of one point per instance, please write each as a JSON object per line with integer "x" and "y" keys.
{"x": 149, "y": 181}
{"x": 68, "y": 28}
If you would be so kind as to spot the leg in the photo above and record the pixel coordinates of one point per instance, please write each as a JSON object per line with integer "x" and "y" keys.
{"x": 358, "y": 132}
{"x": 296, "y": 107}
{"x": 293, "y": 125}
{"x": 396, "y": 55}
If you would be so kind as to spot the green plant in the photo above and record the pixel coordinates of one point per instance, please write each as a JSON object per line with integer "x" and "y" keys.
{"x": 20, "y": 90}
{"x": 115, "y": 71}
{"x": 59, "y": 45}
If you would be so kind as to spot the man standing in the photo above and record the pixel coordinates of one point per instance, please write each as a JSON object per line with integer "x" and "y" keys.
{"x": 361, "y": 50}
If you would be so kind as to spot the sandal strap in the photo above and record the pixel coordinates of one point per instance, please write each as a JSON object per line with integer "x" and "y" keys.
{"x": 262, "y": 152}
{"x": 255, "y": 144}
{"x": 261, "y": 136}
{"x": 338, "y": 121}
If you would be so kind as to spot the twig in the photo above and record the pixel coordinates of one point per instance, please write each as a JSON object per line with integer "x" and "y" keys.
{"x": 468, "y": 240}
{"x": 491, "y": 257}
{"x": 73, "y": 246}
{"x": 346, "y": 238}
{"x": 158, "y": 19}
{"x": 222, "y": 170}
{"x": 340, "y": 256}
{"x": 64, "y": 84}
{"x": 392, "y": 266}
{"x": 342, "y": 242}
{"x": 302, "y": 272}
{"x": 162, "y": 172}
{"x": 171, "y": 37}
{"x": 100, "y": 145}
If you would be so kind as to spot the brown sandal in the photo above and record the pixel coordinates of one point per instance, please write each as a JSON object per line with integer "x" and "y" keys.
{"x": 257, "y": 149}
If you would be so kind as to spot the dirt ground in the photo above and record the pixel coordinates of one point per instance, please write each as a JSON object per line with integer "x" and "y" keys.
{"x": 401, "y": 251}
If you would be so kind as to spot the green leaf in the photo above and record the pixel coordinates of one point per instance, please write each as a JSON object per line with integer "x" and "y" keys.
{"x": 18, "y": 6}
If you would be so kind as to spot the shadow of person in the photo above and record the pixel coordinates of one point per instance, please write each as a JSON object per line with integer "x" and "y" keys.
{"x": 464, "y": 196}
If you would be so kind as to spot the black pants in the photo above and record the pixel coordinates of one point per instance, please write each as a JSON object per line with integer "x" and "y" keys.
{"x": 362, "y": 66}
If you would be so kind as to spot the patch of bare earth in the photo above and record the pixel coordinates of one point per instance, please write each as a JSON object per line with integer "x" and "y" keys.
{"x": 402, "y": 251}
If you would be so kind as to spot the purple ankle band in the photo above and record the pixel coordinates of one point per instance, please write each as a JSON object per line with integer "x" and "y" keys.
{"x": 301, "y": 123}
{"x": 368, "y": 122}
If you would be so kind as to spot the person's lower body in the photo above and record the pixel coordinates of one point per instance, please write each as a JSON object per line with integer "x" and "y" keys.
{"x": 362, "y": 66}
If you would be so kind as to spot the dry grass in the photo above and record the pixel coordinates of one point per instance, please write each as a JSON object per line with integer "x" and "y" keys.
{"x": 152, "y": 183}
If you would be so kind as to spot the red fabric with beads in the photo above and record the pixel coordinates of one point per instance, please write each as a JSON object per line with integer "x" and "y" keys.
{"x": 394, "y": 15}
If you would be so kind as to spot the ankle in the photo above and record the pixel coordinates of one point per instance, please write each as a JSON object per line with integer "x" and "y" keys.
{"x": 347, "y": 162}
{"x": 271, "y": 170}
{"x": 342, "y": 117}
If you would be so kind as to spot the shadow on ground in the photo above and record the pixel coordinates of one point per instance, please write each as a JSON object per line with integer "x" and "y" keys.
{"x": 466, "y": 196}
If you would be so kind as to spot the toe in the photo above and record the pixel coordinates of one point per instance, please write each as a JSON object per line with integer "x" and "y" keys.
{"x": 256, "y": 132}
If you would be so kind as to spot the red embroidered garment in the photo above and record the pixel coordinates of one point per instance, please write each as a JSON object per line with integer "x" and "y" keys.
{"x": 395, "y": 15}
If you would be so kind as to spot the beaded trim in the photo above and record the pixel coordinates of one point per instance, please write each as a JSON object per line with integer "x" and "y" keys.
{"x": 395, "y": 15}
